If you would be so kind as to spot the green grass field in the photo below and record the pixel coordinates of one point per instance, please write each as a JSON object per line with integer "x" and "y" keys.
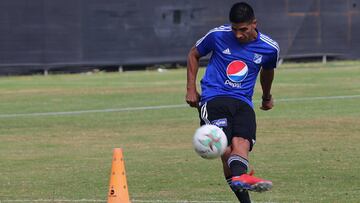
{"x": 308, "y": 145}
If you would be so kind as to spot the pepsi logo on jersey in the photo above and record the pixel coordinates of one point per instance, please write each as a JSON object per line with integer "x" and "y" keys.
{"x": 236, "y": 71}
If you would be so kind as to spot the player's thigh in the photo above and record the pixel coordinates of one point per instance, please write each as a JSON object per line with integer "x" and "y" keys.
{"x": 244, "y": 123}
{"x": 218, "y": 111}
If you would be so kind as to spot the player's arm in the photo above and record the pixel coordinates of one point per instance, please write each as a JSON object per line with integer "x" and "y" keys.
{"x": 192, "y": 95}
{"x": 266, "y": 79}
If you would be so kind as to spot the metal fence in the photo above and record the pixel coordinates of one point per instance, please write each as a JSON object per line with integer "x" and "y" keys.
{"x": 53, "y": 34}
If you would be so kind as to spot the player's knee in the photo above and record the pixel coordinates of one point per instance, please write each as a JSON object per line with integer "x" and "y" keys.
{"x": 240, "y": 144}
{"x": 239, "y": 141}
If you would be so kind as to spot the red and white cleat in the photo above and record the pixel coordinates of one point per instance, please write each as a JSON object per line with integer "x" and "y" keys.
{"x": 250, "y": 182}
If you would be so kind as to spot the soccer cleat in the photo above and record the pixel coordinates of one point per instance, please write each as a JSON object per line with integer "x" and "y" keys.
{"x": 250, "y": 182}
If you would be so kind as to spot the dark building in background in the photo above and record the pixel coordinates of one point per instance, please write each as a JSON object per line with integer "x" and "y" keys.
{"x": 70, "y": 34}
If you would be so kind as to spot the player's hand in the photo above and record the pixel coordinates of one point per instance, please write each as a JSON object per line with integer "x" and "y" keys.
{"x": 267, "y": 103}
{"x": 192, "y": 98}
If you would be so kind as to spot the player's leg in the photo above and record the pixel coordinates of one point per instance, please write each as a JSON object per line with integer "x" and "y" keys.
{"x": 243, "y": 132}
{"x": 219, "y": 112}
{"x": 242, "y": 196}
{"x": 238, "y": 159}
{"x": 244, "y": 136}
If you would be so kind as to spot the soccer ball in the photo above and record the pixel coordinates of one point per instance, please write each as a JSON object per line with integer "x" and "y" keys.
{"x": 209, "y": 141}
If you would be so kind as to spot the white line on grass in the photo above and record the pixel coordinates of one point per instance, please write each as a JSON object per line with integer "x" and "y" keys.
{"x": 92, "y": 111}
{"x": 162, "y": 107}
{"x": 317, "y": 98}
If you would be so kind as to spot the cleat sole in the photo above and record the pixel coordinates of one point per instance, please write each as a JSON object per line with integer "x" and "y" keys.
{"x": 239, "y": 186}
{"x": 261, "y": 187}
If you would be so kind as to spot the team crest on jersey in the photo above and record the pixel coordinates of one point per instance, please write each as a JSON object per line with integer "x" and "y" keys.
{"x": 257, "y": 58}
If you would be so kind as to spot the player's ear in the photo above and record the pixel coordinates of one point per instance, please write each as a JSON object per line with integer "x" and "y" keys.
{"x": 254, "y": 23}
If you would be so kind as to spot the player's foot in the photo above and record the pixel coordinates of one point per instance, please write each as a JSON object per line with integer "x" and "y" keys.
{"x": 250, "y": 182}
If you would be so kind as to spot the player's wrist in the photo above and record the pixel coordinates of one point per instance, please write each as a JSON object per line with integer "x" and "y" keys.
{"x": 191, "y": 87}
{"x": 267, "y": 97}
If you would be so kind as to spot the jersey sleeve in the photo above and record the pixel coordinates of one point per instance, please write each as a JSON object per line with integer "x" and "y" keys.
{"x": 272, "y": 61}
{"x": 206, "y": 44}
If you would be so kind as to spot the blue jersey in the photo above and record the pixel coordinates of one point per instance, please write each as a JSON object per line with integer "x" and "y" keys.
{"x": 234, "y": 66}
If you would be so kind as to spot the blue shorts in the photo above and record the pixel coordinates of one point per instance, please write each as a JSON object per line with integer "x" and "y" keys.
{"x": 235, "y": 117}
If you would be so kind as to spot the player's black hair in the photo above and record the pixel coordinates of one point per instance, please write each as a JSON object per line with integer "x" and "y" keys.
{"x": 241, "y": 13}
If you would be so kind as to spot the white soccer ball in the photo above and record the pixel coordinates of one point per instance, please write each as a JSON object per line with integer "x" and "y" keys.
{"x": 209, "y": 141}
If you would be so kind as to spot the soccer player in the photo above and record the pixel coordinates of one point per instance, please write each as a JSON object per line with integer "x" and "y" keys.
{"x": 239, "y": 52}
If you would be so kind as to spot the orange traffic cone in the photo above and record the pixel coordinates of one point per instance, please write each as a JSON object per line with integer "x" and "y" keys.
{"x": 118, "y": 189}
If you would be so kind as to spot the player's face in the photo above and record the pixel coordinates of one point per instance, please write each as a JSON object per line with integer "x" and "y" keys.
{"x": 244, "y": 32}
